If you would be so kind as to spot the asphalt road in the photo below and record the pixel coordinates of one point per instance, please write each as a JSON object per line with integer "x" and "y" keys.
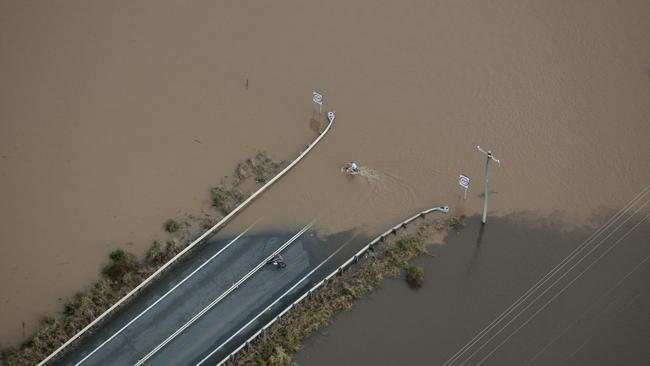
{"x": 192, "y": 309}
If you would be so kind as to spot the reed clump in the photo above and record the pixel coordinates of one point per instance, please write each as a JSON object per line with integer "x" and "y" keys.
{"x": 414, "y": 276}
{"x": 172, "y": 226}
{"x": 259, "y": 168}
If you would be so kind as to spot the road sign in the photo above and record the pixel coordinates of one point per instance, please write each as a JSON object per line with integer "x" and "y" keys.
{"x": 317, "y": 97}
{"x": 463, "y": 180}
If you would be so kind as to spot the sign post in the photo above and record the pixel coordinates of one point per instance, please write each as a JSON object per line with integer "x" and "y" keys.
{"x": 463, "y": 181}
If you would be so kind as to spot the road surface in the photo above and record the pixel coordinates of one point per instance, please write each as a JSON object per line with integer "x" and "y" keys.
{"x": 209, "y": 295}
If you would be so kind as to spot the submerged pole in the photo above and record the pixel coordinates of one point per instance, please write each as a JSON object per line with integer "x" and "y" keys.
{"x": 486, "y": 187}
{"x": 488, "y": 157}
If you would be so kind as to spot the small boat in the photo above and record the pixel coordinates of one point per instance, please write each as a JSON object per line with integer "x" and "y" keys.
{"x": 351, "y": 168}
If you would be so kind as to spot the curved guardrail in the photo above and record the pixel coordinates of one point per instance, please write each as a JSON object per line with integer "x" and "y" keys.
{"x": 339, "y": 270}
{"x": 198, "y": 240}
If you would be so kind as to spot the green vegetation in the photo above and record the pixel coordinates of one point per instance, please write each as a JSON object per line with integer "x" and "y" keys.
{"x": 78, "y": 312}
{"x": 226, "y": 196}
{"x": 226, "y": 199}
{"x": 455, "y": 222}
{"x": 156, "y": 253}
{"x": 120, "y": 276}
{"x": 171, "y": 226}
{"x": 261, "y": 166}
{"x": 118, "y": 255}
{"x": 414, "y": 276}
{"x": 123, "y": 263}
{"x": 219, "y": 196}
{"x": 392, "y": 258}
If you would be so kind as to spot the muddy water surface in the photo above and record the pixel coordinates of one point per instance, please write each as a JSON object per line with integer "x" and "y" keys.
{"x": 115, "y": 117}
{"x": 594, "y": 311}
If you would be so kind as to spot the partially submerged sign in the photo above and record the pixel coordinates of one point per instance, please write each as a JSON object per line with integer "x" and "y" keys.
{"x": 463, "y": 180}
{"x": 317, "y": 97}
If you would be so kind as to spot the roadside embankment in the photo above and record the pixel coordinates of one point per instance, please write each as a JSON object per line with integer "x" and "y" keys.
{"x": 388, "y": 259}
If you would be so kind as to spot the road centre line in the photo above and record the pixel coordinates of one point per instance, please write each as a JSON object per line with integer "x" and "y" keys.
{"x": 277, "y": 300}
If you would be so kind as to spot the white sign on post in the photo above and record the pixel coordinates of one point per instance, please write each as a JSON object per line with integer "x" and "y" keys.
{"x": 318, "y": 99}
{"x": 463, "y": 181}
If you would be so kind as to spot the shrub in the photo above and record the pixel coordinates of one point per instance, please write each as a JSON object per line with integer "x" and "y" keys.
{"x": 219, "y": 196}
{"x": 371, "y": 275}
{"x": 123, "y": 262}
{"x": 280, "y": 357}
{"x": 241, "y": 171}
{"x": 455, "y": 222}
{"x": 156, "y": 253}
{"x": 173, "y": 247}
{"x": 118, "y": 255}
{"x": 172, "y": 226}
{"x": 414, "y": 276}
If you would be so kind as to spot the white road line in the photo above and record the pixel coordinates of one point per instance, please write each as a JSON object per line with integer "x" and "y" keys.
{"x": 165, "y": 295}
{"x": 556, "y": 296}
{"x": 548, "y": 276}
{"x": 274, "y": 302}
{"x": 223, "y": 295}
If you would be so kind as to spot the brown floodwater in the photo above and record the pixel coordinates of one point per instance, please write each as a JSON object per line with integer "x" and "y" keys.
{"x": 593, "y": 311}
{"x": 115, "y": 117}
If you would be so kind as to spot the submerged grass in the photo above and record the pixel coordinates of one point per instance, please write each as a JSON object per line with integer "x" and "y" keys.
{"x": 171, "y": 226}
{"x": 125, "y": 271}
{"x": 227, "y": 195}
{"x": 414, "y": 276}
{"x": 391, "y": 258}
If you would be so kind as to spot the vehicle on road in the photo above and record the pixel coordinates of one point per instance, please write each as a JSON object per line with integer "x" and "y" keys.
{"x": 278, "y": 262}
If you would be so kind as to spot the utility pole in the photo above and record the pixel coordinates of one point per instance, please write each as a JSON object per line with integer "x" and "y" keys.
{"x": 489, "y": 157}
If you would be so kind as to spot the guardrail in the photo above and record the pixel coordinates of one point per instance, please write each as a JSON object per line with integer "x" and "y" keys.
{"x": 205, "y": 235}
{"x": 338, "y": 271}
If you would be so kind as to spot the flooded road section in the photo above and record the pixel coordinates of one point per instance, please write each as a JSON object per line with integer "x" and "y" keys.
{"x": 213, "y": 300}
{"x": 114, "y": 118}
{"x": 593, "y": 310}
